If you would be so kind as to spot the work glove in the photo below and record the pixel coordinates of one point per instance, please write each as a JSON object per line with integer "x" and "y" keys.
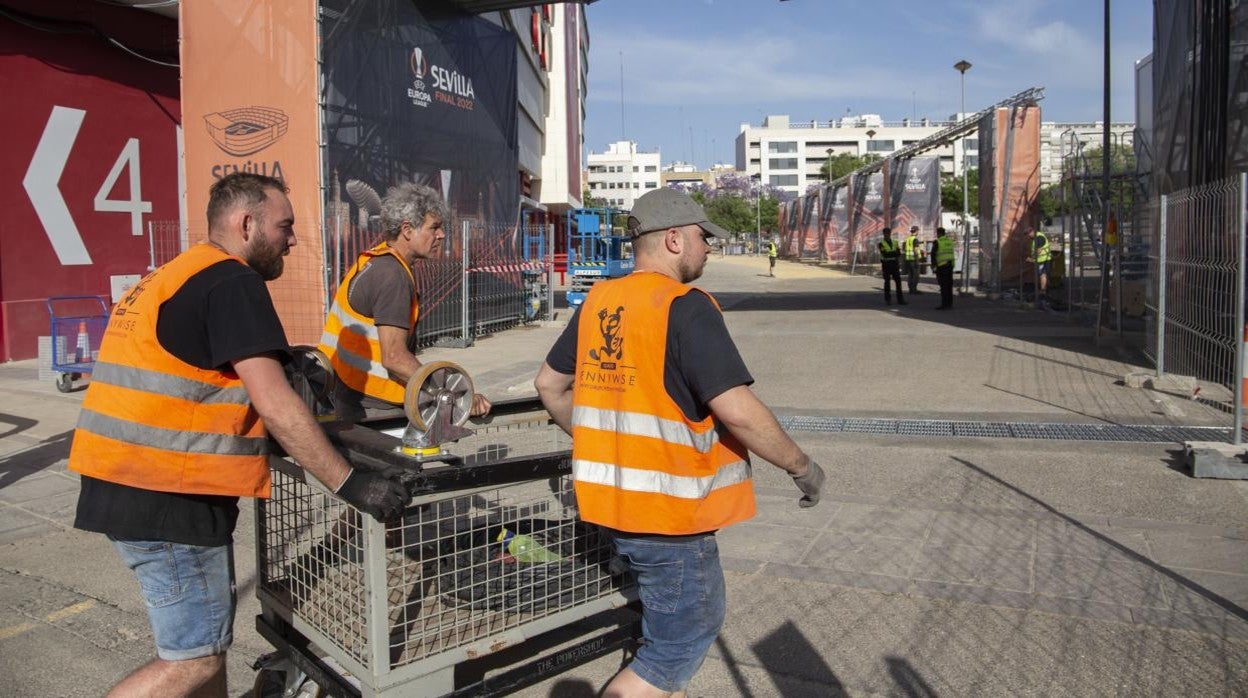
{"x": 810, "y": 484}
{"x": 380, "y": 497}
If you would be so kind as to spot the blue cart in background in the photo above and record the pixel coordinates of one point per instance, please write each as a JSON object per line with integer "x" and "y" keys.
{"x": 76, "y": 333}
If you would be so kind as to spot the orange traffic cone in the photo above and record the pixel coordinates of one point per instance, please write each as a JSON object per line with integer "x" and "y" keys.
{"x": 82, "y": 349}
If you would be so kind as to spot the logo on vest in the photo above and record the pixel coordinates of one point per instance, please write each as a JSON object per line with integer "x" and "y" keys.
{"x": 607, "y": 355}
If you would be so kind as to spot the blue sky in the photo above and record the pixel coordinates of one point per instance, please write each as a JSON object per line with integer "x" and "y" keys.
{"x": 695, "y": 70}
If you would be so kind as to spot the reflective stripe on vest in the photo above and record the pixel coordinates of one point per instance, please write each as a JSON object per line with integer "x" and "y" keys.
{"x": 639, "y": 463}
{"x": 1043, "y": 252}
{"x": 655, "y": 482}
{"x": 151, "y": 421}
{"x": 912, "y": 247}
{"x": 352, "y": 342}
{"x": 637, "y": 424}
{"x": 149, "y": 381}
{"x": 170, "y": 439}
{"x": 944, "y": 251}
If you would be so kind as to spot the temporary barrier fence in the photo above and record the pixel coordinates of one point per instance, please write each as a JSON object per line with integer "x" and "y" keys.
{"x": 505, "y": 270}
{"x": 1197, "y": 273}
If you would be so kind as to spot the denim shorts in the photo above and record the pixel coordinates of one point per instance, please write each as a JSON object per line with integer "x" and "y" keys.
{"x": 189, "y": 593}
{"x": 681, "y": 585}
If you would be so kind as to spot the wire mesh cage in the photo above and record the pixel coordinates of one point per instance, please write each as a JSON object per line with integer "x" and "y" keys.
{"x": 463, "y": 574}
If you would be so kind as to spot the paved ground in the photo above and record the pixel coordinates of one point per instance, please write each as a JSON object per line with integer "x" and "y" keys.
{"x": 979, "y": 566}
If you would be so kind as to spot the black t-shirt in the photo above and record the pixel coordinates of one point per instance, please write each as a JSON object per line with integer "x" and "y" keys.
{"x": 702, "y": 361}
{"x": 221, "y": 314}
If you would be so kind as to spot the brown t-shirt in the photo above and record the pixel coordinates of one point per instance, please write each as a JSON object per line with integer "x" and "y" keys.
{"x": 383, "y": 291}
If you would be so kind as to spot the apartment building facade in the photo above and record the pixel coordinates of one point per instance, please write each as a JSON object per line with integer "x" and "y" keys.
{"x": 622, "y": 173}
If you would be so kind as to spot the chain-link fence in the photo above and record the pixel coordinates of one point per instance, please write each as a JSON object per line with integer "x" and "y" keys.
{"x": 1197, "y": 278}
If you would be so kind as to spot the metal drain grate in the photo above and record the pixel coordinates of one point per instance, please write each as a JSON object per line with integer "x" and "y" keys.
{"x": 1007, "y": 430}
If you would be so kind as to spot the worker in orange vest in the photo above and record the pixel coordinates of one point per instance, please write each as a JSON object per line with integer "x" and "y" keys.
{"x": 376, "y": 308}
{"x": 651, "y": 387}
{"x": 174, "y": 429}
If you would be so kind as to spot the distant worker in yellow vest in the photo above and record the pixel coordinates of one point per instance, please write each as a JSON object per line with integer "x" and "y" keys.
{"x": 890, "y": 266}
{"x": 651, "y": 387}
{"x": 912, "y": 253}
{"x": 942, "y": 262}
{"x": 174, "y": 429}
{"x": 376, "y": 308}
{"x": 1042, "y": 256}
{"x": 772, "y": 253}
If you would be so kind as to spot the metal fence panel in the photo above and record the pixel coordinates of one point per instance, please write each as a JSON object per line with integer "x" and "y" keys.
{"x": 506, "y": 285}
{"x": 1199, "y": 280}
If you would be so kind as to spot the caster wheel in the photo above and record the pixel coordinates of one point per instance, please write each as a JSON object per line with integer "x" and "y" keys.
{"x": 438, "y": 385}
{"x": 64, "y": 382}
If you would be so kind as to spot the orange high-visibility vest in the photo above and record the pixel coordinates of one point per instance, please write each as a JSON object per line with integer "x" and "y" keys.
{"x": 351, "y": 341}
{"x": 152, "y": 421}
{"x": 638, "y": 463}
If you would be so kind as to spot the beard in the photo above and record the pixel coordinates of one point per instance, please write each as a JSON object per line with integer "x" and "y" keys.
{"x": 690, "y": 269}
{"x": 265, "y": 257}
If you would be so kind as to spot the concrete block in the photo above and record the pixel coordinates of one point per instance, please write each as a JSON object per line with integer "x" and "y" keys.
{"x": 1168, "y": 383}
{"x": 1217, "y": 459}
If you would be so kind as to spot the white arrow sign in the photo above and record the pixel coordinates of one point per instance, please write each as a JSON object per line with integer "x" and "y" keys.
{"x": 42, "y": 185}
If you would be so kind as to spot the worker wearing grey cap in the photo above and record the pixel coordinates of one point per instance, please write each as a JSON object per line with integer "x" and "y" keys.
{"x": 651, "y": 387}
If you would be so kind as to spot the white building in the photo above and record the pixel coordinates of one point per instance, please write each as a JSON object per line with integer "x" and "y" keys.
{"x": 789, "y": 155}
{"x": 623, "y": 173}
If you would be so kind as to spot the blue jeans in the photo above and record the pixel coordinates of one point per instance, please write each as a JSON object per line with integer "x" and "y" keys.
{"x": 681, "y": 585}
{"x": 189, "y": 593}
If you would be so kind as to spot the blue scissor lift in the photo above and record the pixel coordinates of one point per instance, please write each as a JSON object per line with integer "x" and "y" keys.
{"x": 598, "y": 248}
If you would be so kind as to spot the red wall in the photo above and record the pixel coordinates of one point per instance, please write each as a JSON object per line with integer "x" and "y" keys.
{"x": 119, "y": 97}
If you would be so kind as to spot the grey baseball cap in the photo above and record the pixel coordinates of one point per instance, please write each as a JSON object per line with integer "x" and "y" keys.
{"x": 667, "y": 208}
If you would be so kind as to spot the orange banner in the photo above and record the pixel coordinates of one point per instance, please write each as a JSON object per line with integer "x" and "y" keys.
{"x": 250, "y": 104}
{"x": 1016, "y": 198}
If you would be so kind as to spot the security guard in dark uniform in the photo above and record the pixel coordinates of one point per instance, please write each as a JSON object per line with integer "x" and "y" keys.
{"x": 912, "y": 251}
{"x": 942, "y": 261}
{"x": 890, "y": 265}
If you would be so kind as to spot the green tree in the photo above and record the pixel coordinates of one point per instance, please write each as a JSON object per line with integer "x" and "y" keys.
{"x": 951, "y": 192}
{"x": 590, "y": 201}
{"x": 845, "y": 163}
{"x": 732, "y": 213}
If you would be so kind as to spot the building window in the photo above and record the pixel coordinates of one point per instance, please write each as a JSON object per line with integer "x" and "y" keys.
{"x": 782, "y": 180}
{"x": 782, "y": 147}
{"x": 652, "y": 168}
{"x": 782, "y": 163}
{"x": 970, "y": 162}
{"x": 971, "y": 143}
{"x": 636, "y": 185}
{"x": 880, "y": 146}
{"x": 635, "y": 169}
{"x": 652, "y": 185}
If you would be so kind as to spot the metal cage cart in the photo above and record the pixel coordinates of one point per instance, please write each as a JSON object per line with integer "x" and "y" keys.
{"x": 75, "y": 338}
{"x": 488, "y": 568}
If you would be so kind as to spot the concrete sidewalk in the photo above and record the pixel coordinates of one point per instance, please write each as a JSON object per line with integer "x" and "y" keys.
{"x": 981, "y": 566}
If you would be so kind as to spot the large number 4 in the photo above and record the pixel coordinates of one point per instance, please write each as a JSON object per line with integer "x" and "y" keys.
{"x": 135, "y": 205}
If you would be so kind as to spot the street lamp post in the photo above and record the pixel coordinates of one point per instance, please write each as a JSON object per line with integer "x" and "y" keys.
{"x": 829, "y": 177}
{"x": 963, "y": 66}
{"x": 758, "y": 213}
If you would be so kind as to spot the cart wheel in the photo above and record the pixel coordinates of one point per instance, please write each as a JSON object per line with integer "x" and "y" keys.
{"x": 64, "y": 382}
{"x": 271, "y": 683}
{"x": 311, "y": 374}
{"x": 438, "y": 385}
